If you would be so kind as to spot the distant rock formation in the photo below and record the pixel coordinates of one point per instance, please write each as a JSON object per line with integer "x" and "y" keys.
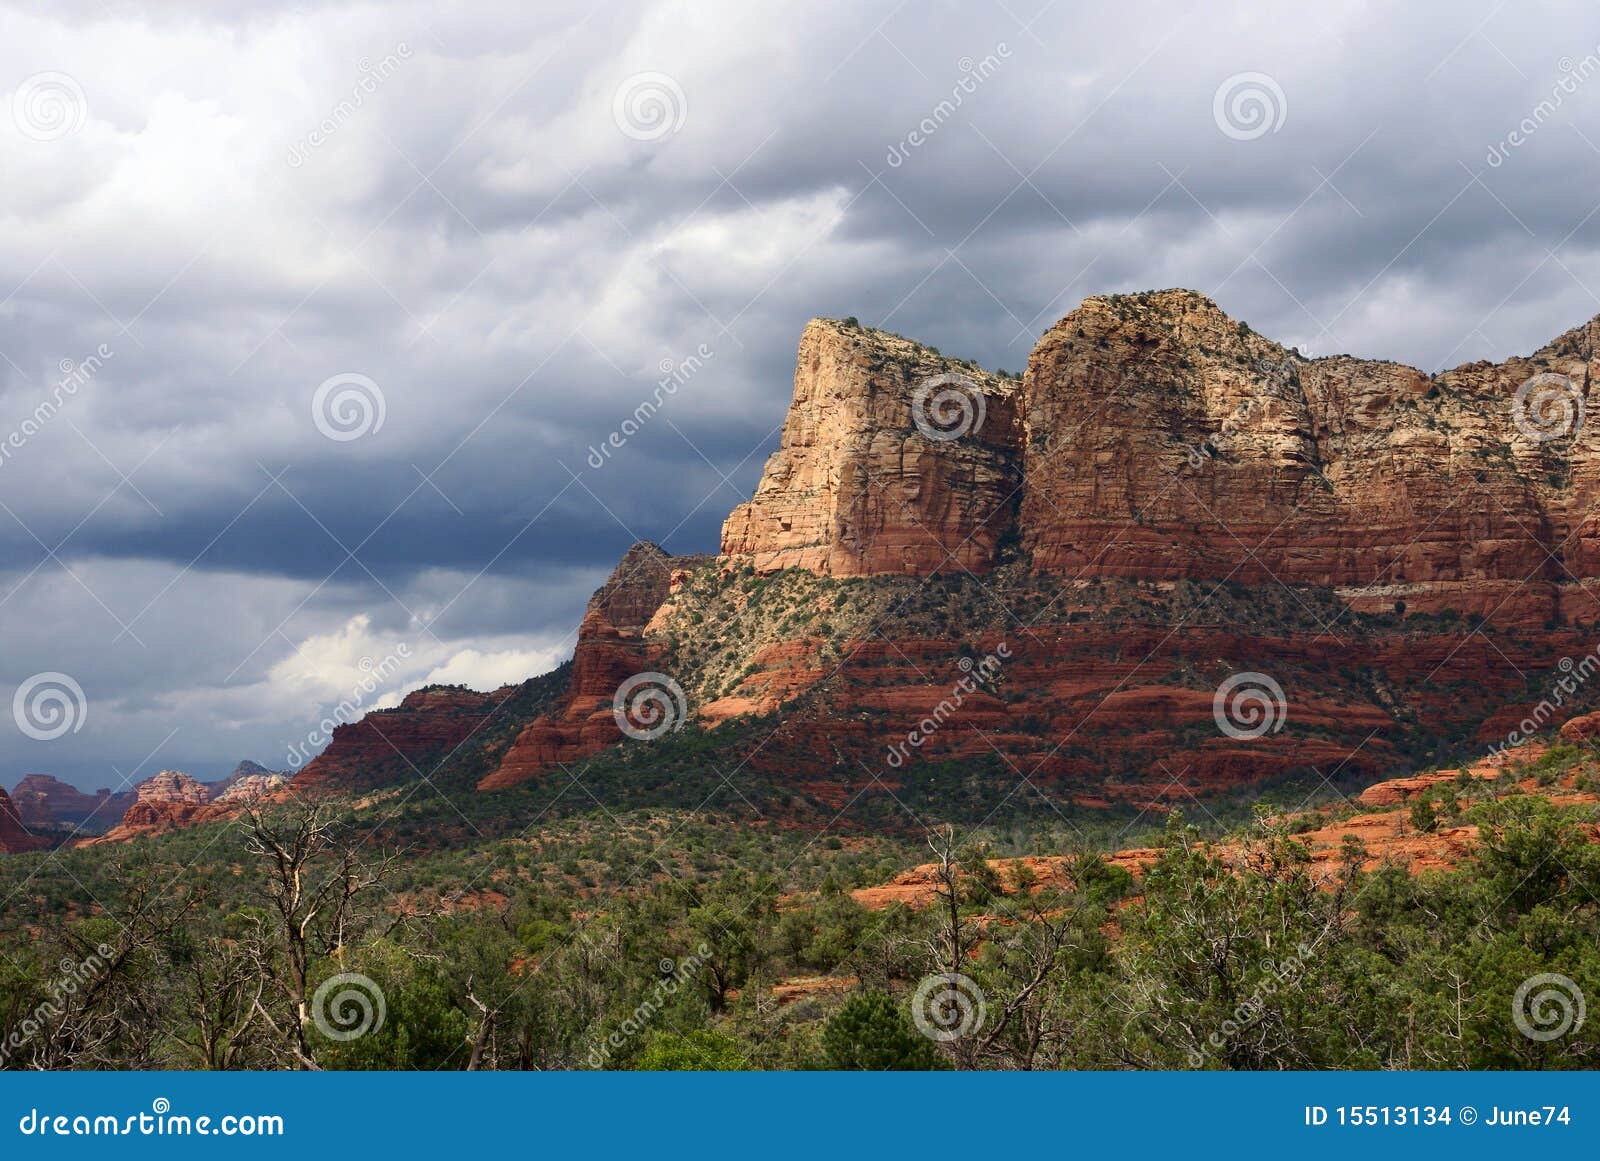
{"x": 426, "y": 727}
{"x": 164, "y": 802}
{"x": 45, "y": 801}
{"x": 249, "y": 773}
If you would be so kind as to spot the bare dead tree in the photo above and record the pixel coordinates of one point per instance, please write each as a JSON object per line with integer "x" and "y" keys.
{"x": 224, "y": 982}
{"x": 312, "y": 886}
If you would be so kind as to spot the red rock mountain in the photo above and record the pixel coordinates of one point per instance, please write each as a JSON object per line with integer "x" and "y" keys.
{"x": 1165, "y": 500}
{"x": 613, "y": 645}
{"x": 44, "y": 801}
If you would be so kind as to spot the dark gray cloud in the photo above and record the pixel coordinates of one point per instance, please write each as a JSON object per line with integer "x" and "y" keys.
{"x": 255, "y": 199}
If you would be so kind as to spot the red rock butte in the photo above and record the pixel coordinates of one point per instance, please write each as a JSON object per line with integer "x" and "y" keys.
{"x": 1163, "y": 499}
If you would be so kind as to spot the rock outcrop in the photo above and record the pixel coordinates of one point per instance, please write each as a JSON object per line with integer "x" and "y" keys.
{"x": 1165, "y": 440}
{"x": 612, "y": 647}
{"x": 1164, "y": 501}
{"x": 255, "y": 777}
{"x": 168, "y": 800}
{"x": 1163, "y": 504}
{"x": 238, "y": 790}
{"x": 894, "y": 459}
{"x": 14, "y": 837}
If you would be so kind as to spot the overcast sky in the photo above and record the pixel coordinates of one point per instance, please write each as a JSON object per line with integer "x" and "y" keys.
{"x": 493, "y": 227}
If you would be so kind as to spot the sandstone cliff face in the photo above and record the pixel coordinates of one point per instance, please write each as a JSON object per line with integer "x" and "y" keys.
{"x": 246, "y": 772}
{"x": 249, "y": 788}
{"x": 1166, "y": 440}
{"x": 1155, "y": 438}
{"x": 865, "y": 480}
{"x": 611, "y": 648}
{"x": 14, "y": 837}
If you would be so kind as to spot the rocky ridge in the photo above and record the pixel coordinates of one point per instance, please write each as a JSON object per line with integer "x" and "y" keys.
{"x": 44, "y": 801}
